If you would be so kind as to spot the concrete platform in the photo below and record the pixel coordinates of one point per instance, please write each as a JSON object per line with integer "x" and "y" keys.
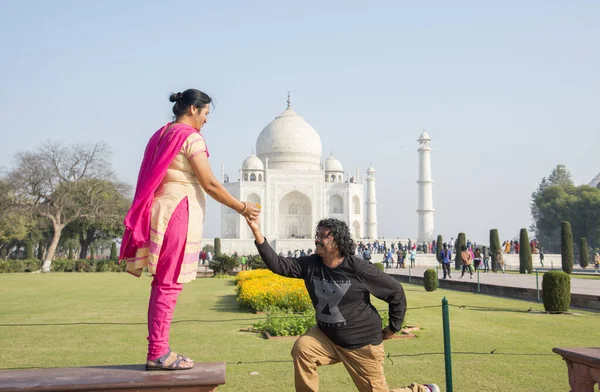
{"x": 585, "y": 293}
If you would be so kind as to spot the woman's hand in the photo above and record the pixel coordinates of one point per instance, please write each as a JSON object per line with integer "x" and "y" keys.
{"x": 252, "y": 211}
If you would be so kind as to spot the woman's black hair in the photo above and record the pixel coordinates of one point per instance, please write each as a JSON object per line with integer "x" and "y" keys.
{"x": 341, "y": 235}
{"x": 188, "y": 98}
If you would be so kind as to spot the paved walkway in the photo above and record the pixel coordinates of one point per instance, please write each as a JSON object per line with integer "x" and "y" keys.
{"x": 578, "y": 286}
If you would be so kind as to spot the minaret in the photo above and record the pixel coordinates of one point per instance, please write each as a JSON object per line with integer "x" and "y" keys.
{"x": 425, "y": 210}
{"x": 371, "y": 204}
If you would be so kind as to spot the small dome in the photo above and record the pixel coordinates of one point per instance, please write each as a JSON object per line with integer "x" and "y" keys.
{"x": 253, "y": 163}
{"x": 371, "y": 169}
{"x": 332, "y": 164}
{"x": 424, "y": 136}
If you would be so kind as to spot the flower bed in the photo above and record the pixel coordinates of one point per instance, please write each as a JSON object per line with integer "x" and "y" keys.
{"x": 262, "y": 290}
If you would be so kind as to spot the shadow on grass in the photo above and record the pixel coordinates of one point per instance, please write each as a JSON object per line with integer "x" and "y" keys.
{"x": 228, "y": 303}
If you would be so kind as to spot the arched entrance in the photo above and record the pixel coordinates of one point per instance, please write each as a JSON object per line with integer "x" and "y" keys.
{"x": 356, "y": 229}
{"x": 294, "y": 220}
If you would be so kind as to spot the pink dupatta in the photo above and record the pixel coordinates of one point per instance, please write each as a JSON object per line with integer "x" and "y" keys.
{"x": 160, "y": 152}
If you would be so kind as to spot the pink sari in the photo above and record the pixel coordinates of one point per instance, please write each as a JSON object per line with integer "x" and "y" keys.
{"x": 160, "y": 151}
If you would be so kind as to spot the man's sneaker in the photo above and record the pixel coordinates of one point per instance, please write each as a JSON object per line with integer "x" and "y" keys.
{"x": 432, "y": 387}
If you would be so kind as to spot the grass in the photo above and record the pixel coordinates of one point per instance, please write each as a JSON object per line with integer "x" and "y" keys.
{"x": 207, "y": 323}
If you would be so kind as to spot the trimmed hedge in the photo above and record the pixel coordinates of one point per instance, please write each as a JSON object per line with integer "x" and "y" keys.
{"x": 494, "y": 248}
{"x": 566, "y": 247}
{"x": 8, "y": 266}
{"x": 430, "y": 280}
{"x": 556, "y": 291}
{"x": 438, "y": 247}
{"x": 525, "y": 260}
{"x": 217, "y": 246}
{"x": 460, "y": 241}
{"x": 584, "y": 255}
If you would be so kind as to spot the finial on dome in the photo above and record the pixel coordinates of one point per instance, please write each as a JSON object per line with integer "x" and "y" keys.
{"x": 288, "y": 100}
{"x": 330, "y": 153}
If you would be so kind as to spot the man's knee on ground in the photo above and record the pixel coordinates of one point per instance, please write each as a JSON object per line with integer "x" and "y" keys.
{"x": 302, "y": 346}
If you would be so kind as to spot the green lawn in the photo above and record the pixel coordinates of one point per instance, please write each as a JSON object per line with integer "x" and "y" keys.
{"x": 211, "y": 333}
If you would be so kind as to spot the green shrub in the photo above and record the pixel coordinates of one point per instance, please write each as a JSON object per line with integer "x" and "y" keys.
{"x": 286, "y": 323}
{"x": 63, "y": 266}
{"x": 438, "y": 248}
{"x": 566, "y": 247}
{"x": 430, "y": 280}
{"x": 385, "y": 319}
{"x": 379, "y": 266}
{"x": 460, "y": 241}
{"x": 222, "y": 276}
{"x": 494, "y": 248}
{"x": 223, "y": 264}
{"x": 525, "y": 260}
{"x": 256, "y": 262}
{"x": 584, "y": 255}
{"x": 217, "y": 251}
{"x": 556, "y": 291}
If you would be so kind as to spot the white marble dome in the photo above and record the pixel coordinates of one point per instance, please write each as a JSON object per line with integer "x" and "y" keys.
{"x": 289, "y": 142}
{"x": 253, "y": 163}
{"x": 332, "y": 164}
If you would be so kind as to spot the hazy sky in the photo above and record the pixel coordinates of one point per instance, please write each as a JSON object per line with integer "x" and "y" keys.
{"x": 507, "y": 90}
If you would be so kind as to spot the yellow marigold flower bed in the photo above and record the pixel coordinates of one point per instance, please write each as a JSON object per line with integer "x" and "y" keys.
{"x": 272, "y": 292}
{"x": 252, "y": 274}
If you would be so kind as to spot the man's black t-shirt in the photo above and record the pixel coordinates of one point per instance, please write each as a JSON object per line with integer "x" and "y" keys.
{"x": 341, "y": 295}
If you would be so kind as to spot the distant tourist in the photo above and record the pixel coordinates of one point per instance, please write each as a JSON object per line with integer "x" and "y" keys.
{"x": 542, "y": 258}
{"x": 597, "y": 261}
{"x": 477, "y": 259}
{"x": 413, "y": 256}
{"x": 486, "y": 259}
{"x": 163, "y": 228}
{"x": 467, "y": 261}
{"x": 446, "y": 258}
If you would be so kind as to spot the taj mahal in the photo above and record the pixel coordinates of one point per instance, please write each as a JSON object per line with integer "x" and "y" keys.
{"x": 296, "y": 188}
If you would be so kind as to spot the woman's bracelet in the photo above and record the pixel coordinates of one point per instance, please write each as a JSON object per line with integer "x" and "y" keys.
{"x": 245, "y": 208}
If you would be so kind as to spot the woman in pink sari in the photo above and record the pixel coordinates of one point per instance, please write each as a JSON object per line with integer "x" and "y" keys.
{"x": 163, "y": 228}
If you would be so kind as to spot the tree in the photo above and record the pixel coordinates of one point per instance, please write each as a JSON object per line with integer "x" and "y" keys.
{"x": 461, "y": 241}
{"x": 560, "y": 176}
{"x": 113, "y": 252}
{"x": 547, "y": 231}
{"x": 106, "y": 222}
{"x": 494, "y": 248}
{"x": 566, "y": 247}
{"x": 217, "y": 246}
{"x": 28, "y": 250}
{"x": 55, "y": 181}
{"x": 584, "y": 255}
{"x": 14, "y": 221}
{"x": 92, "y": 254}
{"x": 438, "y": 247}
{"x": 525, "y": 260}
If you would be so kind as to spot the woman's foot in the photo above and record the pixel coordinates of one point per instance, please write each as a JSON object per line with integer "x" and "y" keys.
{"x": 170, "y": 361}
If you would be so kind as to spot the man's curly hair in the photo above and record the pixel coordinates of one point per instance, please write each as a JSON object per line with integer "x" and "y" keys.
{"x": 341, "y": 235}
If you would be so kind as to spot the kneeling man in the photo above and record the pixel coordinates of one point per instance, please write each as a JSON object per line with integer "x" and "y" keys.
{"x": 348, "y": 326}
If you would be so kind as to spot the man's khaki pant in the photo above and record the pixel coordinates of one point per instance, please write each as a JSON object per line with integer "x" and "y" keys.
{"x": 364, "y": 364}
